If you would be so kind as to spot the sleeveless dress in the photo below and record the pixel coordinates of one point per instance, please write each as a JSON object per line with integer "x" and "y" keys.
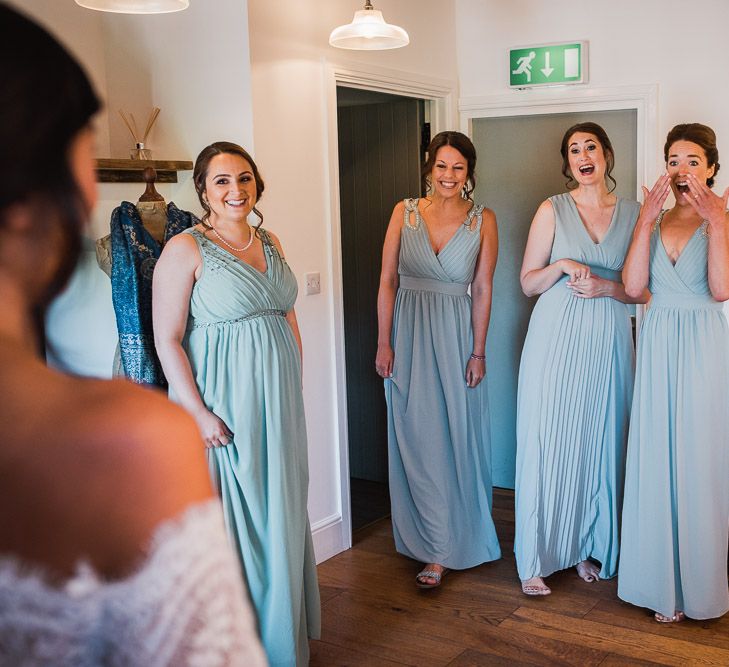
{"x": 573, "y": 405}
{"x": 438, "y": 428}
{"x": 247, "y": 369}
{"x": 676, "y": 508}
{"x": 184, "y": 604}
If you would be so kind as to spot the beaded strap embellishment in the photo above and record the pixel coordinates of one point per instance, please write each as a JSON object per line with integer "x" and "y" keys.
{"x": 245, "y": 318}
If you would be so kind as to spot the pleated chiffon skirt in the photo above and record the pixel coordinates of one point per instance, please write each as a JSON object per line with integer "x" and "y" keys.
{"x": 575, "y": 386}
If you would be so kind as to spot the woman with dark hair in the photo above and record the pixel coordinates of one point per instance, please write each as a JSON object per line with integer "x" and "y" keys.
{"x": 576, "y": 372}
{"x": 227, "y": 338}
{"x": 674, "y": 531}
{"x": 431, "y": 352}
{"x": 112, "y": 549}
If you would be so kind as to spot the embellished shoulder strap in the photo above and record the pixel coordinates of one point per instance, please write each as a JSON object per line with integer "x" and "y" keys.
{"x": 475, "y": 218}
{"x": 412, "y": 216}
{"x": 657, "y": 223}
{"x": 268, "y": 245}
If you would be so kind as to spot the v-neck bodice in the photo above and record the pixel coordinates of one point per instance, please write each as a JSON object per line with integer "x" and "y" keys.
{"x": 689, "y": 276}
{"x": 611, "y": 224}
{"x": 572, "y": 240}
{"x": 456, "y": 260}
{"x": 230, "y": 290}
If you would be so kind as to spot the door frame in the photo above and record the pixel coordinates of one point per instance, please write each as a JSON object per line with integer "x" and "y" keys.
{"x": 563, "y": 99}
{"x": 440, "y": 94}
{"x": 643, "y": 99}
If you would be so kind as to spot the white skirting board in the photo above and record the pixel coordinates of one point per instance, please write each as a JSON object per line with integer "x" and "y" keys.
{"x": 329, "y": 538}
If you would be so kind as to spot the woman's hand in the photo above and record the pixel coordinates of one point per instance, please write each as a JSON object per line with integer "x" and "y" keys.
{"x": 384, "y": 360}
{"x": 708, "y": 205}
{"x": 574, "y": 270}
{"x": 590, "y": 287}
{"x": 213, "y": 429}
{"x": 653, "y": 200}
{"x": 475, "y": 372}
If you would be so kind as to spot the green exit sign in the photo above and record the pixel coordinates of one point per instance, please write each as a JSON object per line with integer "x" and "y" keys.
{"x": 548, "y": 65}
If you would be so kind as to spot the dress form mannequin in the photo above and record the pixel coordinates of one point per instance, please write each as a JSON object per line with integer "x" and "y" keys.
{"x": 153, "y": 211}
{"x": 128, "y": 256}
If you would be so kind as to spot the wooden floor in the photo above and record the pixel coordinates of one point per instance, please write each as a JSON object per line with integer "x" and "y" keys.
{"x": 372, "y": 614}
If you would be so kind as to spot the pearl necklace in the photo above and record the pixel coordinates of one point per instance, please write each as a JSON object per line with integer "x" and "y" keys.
{"x": 222, "y": 240}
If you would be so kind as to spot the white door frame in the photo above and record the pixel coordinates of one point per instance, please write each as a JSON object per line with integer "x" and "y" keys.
{"x": 440, "y": 92}
{"x": 644, "y": 99}
{"x": 564, "y": 99}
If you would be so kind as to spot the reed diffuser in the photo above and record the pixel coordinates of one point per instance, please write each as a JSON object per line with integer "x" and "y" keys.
{"x": 139, "y": 152}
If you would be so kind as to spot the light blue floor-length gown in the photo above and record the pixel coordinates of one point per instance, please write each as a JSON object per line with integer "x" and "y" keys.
{"x": 575, "y": 386}
{"x": 676, "y": 508}
{"x": 246, "y": 364}
{"x": 438, "y": 428}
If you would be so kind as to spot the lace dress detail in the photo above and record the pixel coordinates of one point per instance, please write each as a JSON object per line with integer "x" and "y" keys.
{"x": 184, "y": 605}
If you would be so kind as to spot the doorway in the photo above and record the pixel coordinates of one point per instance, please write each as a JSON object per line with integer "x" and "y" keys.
{"x": 519, "y": 166}
{"x": 381, "y": 143}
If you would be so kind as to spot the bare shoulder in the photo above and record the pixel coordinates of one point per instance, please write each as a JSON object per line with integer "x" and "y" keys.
{"x": 488, "y": 217}
{"x": 95, "y": 471}
{"x": 398, "y": 215}
{"x": 180, "y": 254}
{"x": 144, "y": 436}
{"x": 546, "y": 207}
{"x": 181, "y": 245}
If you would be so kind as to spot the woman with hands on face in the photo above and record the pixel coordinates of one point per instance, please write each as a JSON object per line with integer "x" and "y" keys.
{"x": 227, "y": 338}
{"x": 431, "y": 352}
{"x": 676, "y": 509}
{"x": 576, "y": 372}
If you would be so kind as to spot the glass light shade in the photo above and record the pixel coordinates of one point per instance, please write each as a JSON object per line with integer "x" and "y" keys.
{"x": 135, "y": 6}
{"x": 368, "y": 31}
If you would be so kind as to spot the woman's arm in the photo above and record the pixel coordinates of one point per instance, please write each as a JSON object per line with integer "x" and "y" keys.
{"x": 174, "y": 277}
{"x": 537, "y": 274}
{"x": 712, "y": 208}
{"x": 481, "y": 296}
{"x": 636, "y": 266}
{"x": 389, "y": 281}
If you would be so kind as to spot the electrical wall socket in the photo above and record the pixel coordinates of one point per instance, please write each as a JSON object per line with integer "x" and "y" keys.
{"x": 312, "y": 283}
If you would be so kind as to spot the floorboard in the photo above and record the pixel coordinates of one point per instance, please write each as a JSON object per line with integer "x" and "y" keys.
{"x": 373, "y": 615}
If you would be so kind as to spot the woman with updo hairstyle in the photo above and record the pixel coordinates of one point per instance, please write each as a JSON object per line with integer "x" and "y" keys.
{"x": 431, "y": 352}
{"x": 576, "y": 372}
{"x": 227, "y": 338}
{"x": 676, "y": 510}
{"x": 112, "y": 547}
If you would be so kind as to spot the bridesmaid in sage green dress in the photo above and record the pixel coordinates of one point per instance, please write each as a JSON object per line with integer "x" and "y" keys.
{"x": 676, "y": 511}
{"x": 576, "y": 373}
{"x": 229, "y": 344}
{"x": 431, "y": 352}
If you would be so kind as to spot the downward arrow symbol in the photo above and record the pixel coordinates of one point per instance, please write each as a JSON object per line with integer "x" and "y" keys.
{"x": 547, "y": 70}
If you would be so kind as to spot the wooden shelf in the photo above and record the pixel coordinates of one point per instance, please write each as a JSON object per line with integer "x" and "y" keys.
{"x": 118, "y": 170}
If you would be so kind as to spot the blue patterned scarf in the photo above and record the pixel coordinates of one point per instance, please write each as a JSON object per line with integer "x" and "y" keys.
{"x": 134, "y": 254}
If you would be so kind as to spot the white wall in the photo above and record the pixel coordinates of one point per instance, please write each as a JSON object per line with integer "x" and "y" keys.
{"x": 680, "y": 47}
{"x": 193, "y": 64}
{"x": 290, "y": 58}
{"x": 81, "y": 31}
{"x": 677, "y": 47}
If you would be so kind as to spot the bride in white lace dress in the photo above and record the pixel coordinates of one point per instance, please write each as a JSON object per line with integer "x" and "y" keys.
{"x": 112, "y": 550}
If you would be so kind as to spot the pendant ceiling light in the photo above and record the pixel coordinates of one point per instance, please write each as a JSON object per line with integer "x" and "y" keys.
{"x": 368, "y": 31}
{"x": 135, "y": 6}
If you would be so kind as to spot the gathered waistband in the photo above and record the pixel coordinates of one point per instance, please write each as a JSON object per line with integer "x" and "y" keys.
{"x": 431, "y": 285}
{"x": 692, "y": 301}
{"x": 245, "y": 318}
